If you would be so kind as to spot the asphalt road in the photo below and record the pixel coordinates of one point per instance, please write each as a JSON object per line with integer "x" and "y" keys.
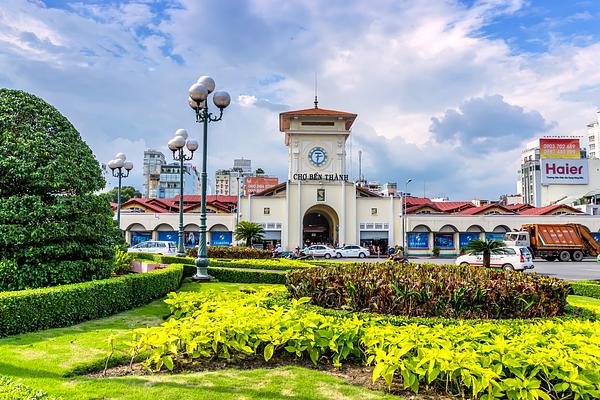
{"x": 573, "y": 271}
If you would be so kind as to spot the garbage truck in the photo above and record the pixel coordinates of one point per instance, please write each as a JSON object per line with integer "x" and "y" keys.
{"x": 552, "y": 242}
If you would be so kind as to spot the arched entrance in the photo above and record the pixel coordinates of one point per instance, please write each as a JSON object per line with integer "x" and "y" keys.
{"x": 320, "y": 225}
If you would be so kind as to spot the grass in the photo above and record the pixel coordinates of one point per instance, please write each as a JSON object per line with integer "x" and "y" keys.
{"x": 40, "y": 360}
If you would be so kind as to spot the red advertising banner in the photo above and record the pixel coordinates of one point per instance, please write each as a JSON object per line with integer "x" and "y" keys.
{"x": 559, "y": 148}
{"x": 256, "y": 184}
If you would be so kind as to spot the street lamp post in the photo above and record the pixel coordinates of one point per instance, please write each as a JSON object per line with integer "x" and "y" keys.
{"x": 117, "y": 166}
{"x": 176, "y": 145}
{"x": 404, "y": 249}
{"x": 198, "y": 101}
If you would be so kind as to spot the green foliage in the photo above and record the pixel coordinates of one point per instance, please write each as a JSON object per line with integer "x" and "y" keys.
{"x": 241, "y": 276}
{"x": 429, "y": 290}
{"x": 249, "y": 231}
{"x": 35, "y": 309}
{"x": 53, "y": 228}
{"x": 122, "y": 262}
{"x": 127, "y": 193}
{"x": 11, "y": 390}
{"x": 550, "y": 359}
{"x": 586, "y": 288}
{"x": 231, "y": 252}
{"x": 487, "y": 247}
{"x": 281, "y": 264}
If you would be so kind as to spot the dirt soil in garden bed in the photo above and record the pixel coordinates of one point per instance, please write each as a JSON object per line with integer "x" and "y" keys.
{"x": 353, "y": 373}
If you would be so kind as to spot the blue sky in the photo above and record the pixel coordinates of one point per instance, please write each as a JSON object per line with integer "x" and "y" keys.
{"x": 446, "y": 92}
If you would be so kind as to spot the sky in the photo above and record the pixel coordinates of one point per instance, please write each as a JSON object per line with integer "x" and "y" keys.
{"x": 447, "y": 92}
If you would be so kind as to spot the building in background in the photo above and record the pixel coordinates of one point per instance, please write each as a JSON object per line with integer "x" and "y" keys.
{"x": 234, "y": 181}
{"x": 593, "y": 130}
{"x": 161, "y": 180}
{"x": 153, "y": 161}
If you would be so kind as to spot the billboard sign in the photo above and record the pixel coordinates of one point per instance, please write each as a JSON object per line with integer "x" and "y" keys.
{"x": 559, "y": 148}
{"x": 256, "y": 184}
{"x": 564, "y": 171}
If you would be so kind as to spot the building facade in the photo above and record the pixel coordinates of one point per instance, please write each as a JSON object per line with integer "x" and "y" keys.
{"x": 593, "y": 131}
{"x": 153, "y": 162}
{"x": 161, "y": 179}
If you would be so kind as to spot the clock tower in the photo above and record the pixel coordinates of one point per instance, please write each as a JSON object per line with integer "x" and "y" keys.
{"x": 316, "y": 141}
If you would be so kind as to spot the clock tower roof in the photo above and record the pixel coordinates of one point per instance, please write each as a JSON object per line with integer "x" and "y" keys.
{"x": 285, "y": 117}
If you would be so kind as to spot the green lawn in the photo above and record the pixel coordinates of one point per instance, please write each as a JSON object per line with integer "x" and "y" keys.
{"x": 41, "y": 359}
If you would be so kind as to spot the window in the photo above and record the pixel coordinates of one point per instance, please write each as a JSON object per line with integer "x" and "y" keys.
{"x": 317, "y": 123}
{"x": 267, "y": 211}
{"x": 418, "y": 240}
{"x": 320, "y": 194}
{"x": 443, "y": 240}
{"x": 373, "y": 211}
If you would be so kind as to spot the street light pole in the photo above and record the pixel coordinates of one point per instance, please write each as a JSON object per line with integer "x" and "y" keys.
{"x": 198, "y": 96}
{"x": 404, "y": 249}
{"x": 176, "y": 145}
{"x": 117, "y": 166}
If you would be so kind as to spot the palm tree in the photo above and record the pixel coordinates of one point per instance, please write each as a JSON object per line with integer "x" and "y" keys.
{"x": 249, "y": 231}
{"x": 487, "y": 247}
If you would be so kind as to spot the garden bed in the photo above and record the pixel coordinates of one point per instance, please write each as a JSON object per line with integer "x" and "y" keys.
{"x": 429, "y": 290}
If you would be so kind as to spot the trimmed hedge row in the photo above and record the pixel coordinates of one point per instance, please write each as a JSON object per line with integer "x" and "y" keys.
{"x": 11, "y": 390}
{"x": 280, "y": 264}
{"x": 231, "y": 252}
{"x": 240, "y": 276}
{"x": 586, "y": 288}
{"x": 58, "y": 306}
{"x": 429, "y": 290}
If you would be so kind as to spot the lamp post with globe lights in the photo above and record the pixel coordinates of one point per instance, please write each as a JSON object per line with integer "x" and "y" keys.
{"x": 198, "y": 101}
{"x": 176, "y": 145}
{"x": 117, "y": 166}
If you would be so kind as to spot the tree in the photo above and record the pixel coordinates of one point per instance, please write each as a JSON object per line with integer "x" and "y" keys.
{"x": 249, "y": 231}
{"x": 487, "y": 247}
{"x": 53, "y": 228}
{"x": 260, "y": 171}
{"x": 127, "y": 193}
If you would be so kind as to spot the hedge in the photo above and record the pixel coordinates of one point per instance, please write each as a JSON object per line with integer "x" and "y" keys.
{"x": 281, "y": 264}
{"x": 429, "y": 290}
{"x": 231, "y": 252}
{"x": 586, "y": 288}
{"x": 241, "y": 276}
{"x": 11, "y": 390}
{"x": 58, "y": 306}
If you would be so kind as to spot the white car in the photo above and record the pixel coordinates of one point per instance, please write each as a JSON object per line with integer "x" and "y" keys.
{"x": 156, "y": 247}
{"x": 509, "y": 258}
{"x": 352, "y": 251}
{"x": 319, "y": 250}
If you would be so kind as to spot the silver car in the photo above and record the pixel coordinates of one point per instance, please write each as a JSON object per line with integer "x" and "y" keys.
{"x": 155, "y": 247}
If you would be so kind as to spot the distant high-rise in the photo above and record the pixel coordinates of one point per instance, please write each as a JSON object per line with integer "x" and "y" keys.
{"x": 593, "y": 129}
{"x": 153, "y": 162}
{"x": 242, "y": 165}
{"x": 161, "y": 180}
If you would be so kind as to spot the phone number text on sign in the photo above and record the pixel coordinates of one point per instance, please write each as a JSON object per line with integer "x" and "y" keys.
{"x": 559, "y": 148}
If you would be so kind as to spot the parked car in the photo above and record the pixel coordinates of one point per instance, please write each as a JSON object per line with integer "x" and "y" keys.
{"x": 509, "y": 258}
{"x": 319, "y": 250}
{"x": 156, "y": 247}
{"x": 352, "y": 251}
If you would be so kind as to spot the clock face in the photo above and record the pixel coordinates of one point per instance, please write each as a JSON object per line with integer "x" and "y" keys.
{"x": 317, "y": 156}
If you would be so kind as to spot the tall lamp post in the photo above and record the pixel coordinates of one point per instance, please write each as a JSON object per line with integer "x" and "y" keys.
{"x": 117, "y": 166}
{"x": 404, "y": 249}
{"x": 176, "y": 145}
{"x": 198, "y": 100}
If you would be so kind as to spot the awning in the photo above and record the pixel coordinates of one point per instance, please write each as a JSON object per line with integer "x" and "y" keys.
{"x": 272, "y": 235}
{"x": 373, "y": 235}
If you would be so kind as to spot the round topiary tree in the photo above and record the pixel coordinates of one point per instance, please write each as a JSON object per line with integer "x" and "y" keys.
{"x": 53, "y": 228}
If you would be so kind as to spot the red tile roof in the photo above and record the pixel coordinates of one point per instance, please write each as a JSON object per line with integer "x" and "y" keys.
{"x": 548, "y": 210}
{"x": 413, "y": 201}
{"x": 284, "y": 117}
{"x": 454, "y": 206}
{"x": 519, "y": 207}
{"x": 415, "y": 208}
{"x": 483, "y": 209}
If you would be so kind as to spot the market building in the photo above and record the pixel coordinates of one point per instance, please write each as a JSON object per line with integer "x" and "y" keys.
{"x": 319, "y": 203}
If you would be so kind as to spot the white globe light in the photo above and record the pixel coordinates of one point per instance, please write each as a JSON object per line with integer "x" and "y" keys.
{"x": 192, "y": 145}
{"x": 128, "y": 165}
{"x": 208, "y": 82}
{"x": 121, "y": 156}
{"x": 198, "y": 92}
{"x": 176, "y": 143}
{"x": 181, "y": 132}
{"x": 193, "y": 103}
{"x": 118, "y": 163}
{"x": 111, "y": 164}
{"x": 221, "y": 99}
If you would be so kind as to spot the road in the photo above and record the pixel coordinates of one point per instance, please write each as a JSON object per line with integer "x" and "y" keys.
{"x": 572, "y": 271}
